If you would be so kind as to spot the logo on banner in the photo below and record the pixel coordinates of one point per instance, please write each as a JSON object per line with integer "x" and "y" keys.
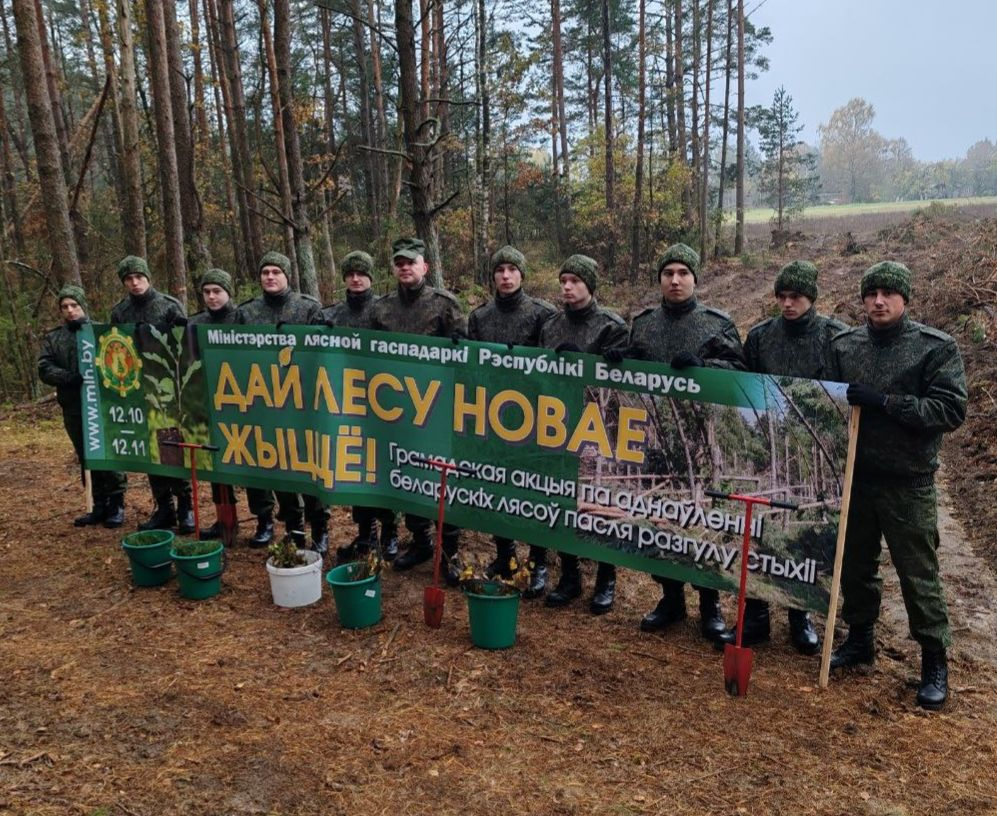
{"x": 119, "y": 363}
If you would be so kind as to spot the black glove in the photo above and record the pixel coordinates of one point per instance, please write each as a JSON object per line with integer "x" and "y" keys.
{"x": 279, "y": 324}
{"x": 567, "y": 347}
{"x": 613, "y": 356}
{"x": 686, "y": 359}
{"x": 510, "y": 345}
{"x": 859, "y": 394}
{"x": 75, "y": 380}
{"x": 330, "y": 323}
{"x": 179, "y": 321}
{"x": 456, "y": 337}
{"x": 75, "y": 325}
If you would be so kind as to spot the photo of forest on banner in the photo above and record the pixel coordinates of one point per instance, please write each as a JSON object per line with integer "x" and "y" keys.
{"x": 609, "y": 462}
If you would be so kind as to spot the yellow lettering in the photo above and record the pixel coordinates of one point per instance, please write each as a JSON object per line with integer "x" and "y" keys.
{"x": 290, "y": 384}
{"x": 236, "y": 452}
{"x": 590, "y": 428}
{"x": 354, "y": 393}
{"x": 227, "y": 391}
{"x": 349, "y": 447}
{"x": 502, "y": 399}
{"x": 266, "y": 453}
{"x": 324, "y": 393}
{"x": 423, "y": 402}
{"x": 630, "y": 438}
{"x": 551, "y": 431}
{"x": 462, "y": 409}
{"x": 376, "y": 382}
{"x": 257, "y": 387}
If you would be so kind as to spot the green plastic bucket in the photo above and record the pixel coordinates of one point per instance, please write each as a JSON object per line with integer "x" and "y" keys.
{"x": 149, "y": 555}
{"x": 492, "y": 617}
{"x": 358, "y": 603}
{"x": 200, "y": 575}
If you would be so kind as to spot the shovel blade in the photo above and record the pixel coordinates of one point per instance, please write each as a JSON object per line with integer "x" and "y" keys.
{"x": 737, "y": 669}
{"x": 432, "y": 606}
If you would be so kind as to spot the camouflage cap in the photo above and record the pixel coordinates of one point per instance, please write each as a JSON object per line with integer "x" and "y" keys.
{"x": 887, "y": 275}
{"x": 410, "y": 248}
{"x": 584, "y": 267}
{"x": 510, "y": 255}
{"x": 357, "y": 262}
{"x": 278, "y": 260}
{"x": 74, "y": 292}
{"x": 133, "y": 265}
{"x": 683, "y": 254}
{"x": 798, "y": 276}
{"x": 219, "y": 277}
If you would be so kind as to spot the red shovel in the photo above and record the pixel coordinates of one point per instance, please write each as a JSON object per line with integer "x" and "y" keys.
{"x": 434, "y": 597}
{"x": 738, "y": 658}
{"x": 193, "y": 447}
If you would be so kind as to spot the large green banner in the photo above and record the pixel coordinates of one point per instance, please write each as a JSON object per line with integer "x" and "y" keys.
{"x": 609, "y": 462}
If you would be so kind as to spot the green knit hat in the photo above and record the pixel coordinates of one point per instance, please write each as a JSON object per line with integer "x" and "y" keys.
{"x": 410, "y": 248}
{"x": 680, "y": 253}
{"x": 584, "y": 267}
{"x": 133, "y": 265}
{"x": 276, "y": 259}
{"x": 798, "y": 276}
{"x": 219, "y": 277}
{"x": 510, "y": 255}
{"x": 71, "y": 290}
{"x": 887, "y": 275}
{"x": 357, "y": 262}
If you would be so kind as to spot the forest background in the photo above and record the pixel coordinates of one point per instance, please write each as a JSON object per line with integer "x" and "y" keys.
{"x": 203, "y": 133}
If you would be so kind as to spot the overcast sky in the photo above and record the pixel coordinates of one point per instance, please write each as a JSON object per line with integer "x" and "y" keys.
{"x": 929, "y": 68}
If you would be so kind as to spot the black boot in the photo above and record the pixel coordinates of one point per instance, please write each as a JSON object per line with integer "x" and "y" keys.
{"x": 605, "y": 590}
{"x": 185, "y": 516}
{"x": 94, "y": 517}
{"x": 802, "y": 633}
{"x": 389, "y": 542}
{"x": 569, "y": 586}
{"x": 538, "y": 575}
{"x": 859, "y": 647}
{"x": 501, "y": 565}
{"x": 264, "y": 531}
{"x": 711, "y": 618}
{"x": 320, "y": 538}
{"x": 114, "y": 512}
{"x": 211, "y": 533}
{"x": 344, "y": 555}
{"x": 756, "y": 626}
{"x": 419, "y": 550}
{"x": 670, "y": 609}
{"x": 298, "y": 537}
{"x": 934, "y": 690}
{"x": 449, "y": 566}
{"x": 164, "y": 517}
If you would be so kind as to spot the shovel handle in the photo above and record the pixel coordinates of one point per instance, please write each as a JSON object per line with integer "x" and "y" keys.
{"x": 439, "y": 464}
{"x": 192, "y": 445}
{"x": 784, "y": 505}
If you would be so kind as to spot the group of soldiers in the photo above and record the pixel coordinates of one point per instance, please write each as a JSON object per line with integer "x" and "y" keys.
{"x": 908, "y": 378}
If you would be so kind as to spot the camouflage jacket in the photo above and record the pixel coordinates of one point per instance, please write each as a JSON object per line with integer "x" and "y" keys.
{"x": 356, "y": 312}
{"x": 226, "y": 314}
{"x": 593, "y": 329}
{"x": 515, "y": 318}
{"x": 920, "y": 371}
{"x": 420, "y": 310}
{"x": 287, "y": 307}
{"x": 58, "y": 365}
{"x": 662, "y": 332}
{"x": 152, "y": 307}
{"x": 792, "y": 348}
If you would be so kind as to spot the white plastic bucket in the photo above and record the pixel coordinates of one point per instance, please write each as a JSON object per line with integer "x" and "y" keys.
{"x": 297, "y": 586}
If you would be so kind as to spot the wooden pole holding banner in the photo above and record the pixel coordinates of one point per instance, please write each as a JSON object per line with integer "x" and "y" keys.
{"x": 88, "y": 489}
{"x": 839, "y": 553}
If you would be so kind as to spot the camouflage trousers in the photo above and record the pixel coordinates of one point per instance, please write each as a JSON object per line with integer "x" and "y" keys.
{"x": 907, "y": 517}
{"x": 106, "y": 484}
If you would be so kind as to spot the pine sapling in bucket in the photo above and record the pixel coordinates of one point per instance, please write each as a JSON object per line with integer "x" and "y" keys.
{"x": 284, "y": 553}
{"x": 295, "y": 575}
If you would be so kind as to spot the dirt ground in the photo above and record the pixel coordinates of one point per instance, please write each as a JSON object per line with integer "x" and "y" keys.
{"x": 128, "y": 701}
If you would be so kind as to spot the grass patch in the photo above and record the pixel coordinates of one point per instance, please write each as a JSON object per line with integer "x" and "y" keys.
{"x": 762, "y": 215}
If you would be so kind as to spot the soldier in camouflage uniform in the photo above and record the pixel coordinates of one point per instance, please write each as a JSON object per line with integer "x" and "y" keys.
{"x": 513, "y": 318}
{"x": 280, "y": 304}
{"x": 683, "y": 332}
{"x": 584, "y": 326}
{"x": 143, "y": 304}
{"x": 58, "y": 365}
{"x": 910, "y": 382}
{"x": 216, "y": 293}
{"x": 796, "y": 344}
{"x": 355, "y": 312}
{"x": 415, "y": 307}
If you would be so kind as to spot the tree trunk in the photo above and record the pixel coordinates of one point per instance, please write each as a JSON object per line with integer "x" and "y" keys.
{"x": 17, "y": 85}
{"x": 389, "y": 202}
{"x": 201, "y": 132}
{"x": 113, "y": 134}
{"x": 159, "y": 81}
{"x": 638, "y": 213}
{"x": 54, "y": 83}
{"x": 198, "y": 257}
{"x": 12, "y": 219}
{"x": 670, "y": 95}
{"x": 739, "y": 223}
{"x": 482, "y": 153}
{"x": 607, "y": 76}
{"x": 52, "y": 180}
{"x": 564, "y": 171}
{"x": 704, "y": 173}
{"x": 280, "y": 146}
{"x": 679, "y": 71}
{"x": 728, "y": 69}
{"x": 330, "y": 102}
{"x": 133, "y": 215}
{"x": 299, "y": 204}
{"x": 369, "y": 157}
{"x": 691, "y": 192}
